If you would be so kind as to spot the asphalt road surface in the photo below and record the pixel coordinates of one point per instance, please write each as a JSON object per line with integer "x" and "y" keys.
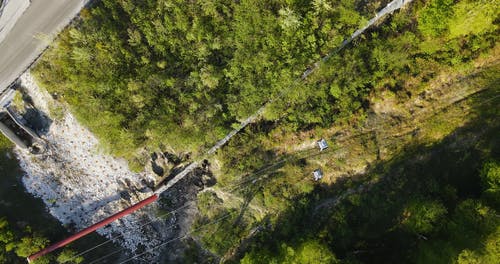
{"x": 10, "y": 11}
{"x": 32, "y": 33}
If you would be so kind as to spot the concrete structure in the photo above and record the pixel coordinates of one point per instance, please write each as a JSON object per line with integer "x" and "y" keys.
{"x": 18, "y": 133}
{"x": 13, "y": 126}
{"x": 7, "y": 130}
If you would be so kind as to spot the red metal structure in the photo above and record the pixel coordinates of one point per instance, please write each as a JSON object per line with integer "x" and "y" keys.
{"x": 94, "y": 227}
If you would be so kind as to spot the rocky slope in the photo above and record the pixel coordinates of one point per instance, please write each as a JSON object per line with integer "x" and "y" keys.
{"x": 80, "y": 184}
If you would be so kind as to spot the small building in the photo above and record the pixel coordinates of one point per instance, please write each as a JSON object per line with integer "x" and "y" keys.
{"x": 317, "y": 174}
{"x": 322, "y": 144}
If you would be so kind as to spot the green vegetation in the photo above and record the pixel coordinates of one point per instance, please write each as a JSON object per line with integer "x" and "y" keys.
{"x": 18, "y": 101}
{"x": 490, "y": 177}
{"x": 170, "y": 73}
{"x": 20, "y": 229}
{"x": 180, "y": 75}
{"x": 444, "y": 18}
{"x": 308, "y": 252}
{"x": 17, "y": 244}
{"x": 417, "y": 208}
{"x": 392, "y": 60}
{"x": 5, "y": 144}
{"x": 429, "y": 205}
{"x": 176, "y": 74}
{"x": 421, "y": 217}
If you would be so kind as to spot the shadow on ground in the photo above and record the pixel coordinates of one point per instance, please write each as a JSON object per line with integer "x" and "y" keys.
{"x": 361, "y": 219}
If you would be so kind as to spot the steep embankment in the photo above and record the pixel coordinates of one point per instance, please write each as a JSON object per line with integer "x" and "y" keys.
{"x": 424, "y": 89}
{"x": 79, "y": 184}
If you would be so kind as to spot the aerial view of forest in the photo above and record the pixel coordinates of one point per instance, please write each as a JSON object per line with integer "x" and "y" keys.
{"x": 409, "y": 109}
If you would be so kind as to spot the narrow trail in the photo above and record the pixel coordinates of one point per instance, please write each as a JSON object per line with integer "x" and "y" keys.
{"x": 78, "y": 158}
{"x": 334, "y": 201}
{"x": 391, "y": 7}
{"x": 228, "y": 196}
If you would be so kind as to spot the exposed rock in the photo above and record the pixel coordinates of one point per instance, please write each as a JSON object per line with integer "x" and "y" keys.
{"x": 81, "y": 185}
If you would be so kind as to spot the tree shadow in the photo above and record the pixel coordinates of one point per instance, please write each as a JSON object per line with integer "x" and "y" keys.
{"x": 36, "y": 119}
{"x": 360, "y": 217}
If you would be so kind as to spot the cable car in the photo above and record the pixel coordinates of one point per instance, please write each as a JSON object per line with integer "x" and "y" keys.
{"x": 322, "y": 144}
{"x": 317, "y": 174}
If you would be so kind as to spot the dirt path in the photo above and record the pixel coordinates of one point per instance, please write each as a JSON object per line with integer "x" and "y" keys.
{"x": 445, "y": 106}
{"x": 391, "y": 7}
{"x": 231, "y": 198}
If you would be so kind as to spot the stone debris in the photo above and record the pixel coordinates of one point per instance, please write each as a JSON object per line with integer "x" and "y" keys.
{"x": 80, "y": 185}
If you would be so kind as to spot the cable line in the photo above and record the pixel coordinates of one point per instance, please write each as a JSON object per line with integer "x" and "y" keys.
{"x": 122, "y": 249}
{"x": 276, "y": 163}
{"x": 268, "y": 167}
{"x": 185, "y": 235}
{"x": 177, "y": 238}
{"x": 236, "y": 186}
{"x": 123, "y": 234}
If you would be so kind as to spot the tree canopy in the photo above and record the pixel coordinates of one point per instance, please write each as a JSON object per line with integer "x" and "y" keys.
{"x": 149, "y": 74}
{"x": 17, "y": 244}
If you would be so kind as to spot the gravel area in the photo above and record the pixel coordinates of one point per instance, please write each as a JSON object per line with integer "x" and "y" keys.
{"x": 81, "y": 185}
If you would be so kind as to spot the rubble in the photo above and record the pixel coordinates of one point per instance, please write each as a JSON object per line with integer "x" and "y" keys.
{"x": 80, "y": 185}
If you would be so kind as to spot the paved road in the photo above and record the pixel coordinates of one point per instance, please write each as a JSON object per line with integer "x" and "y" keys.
{"x": 10, "y": 11}
{"x": 22, "y": 45}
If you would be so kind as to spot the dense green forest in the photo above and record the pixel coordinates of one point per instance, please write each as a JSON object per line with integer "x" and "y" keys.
{"x": 16, "y": 244}
{"x": 170, "y": 73}
{"x": 18, "y": 239}
{"x": 176, "y": 76}
{"x": 430, "y": 212}
{"x": 156, "y": 73}
{"x": 429, "y": 204}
